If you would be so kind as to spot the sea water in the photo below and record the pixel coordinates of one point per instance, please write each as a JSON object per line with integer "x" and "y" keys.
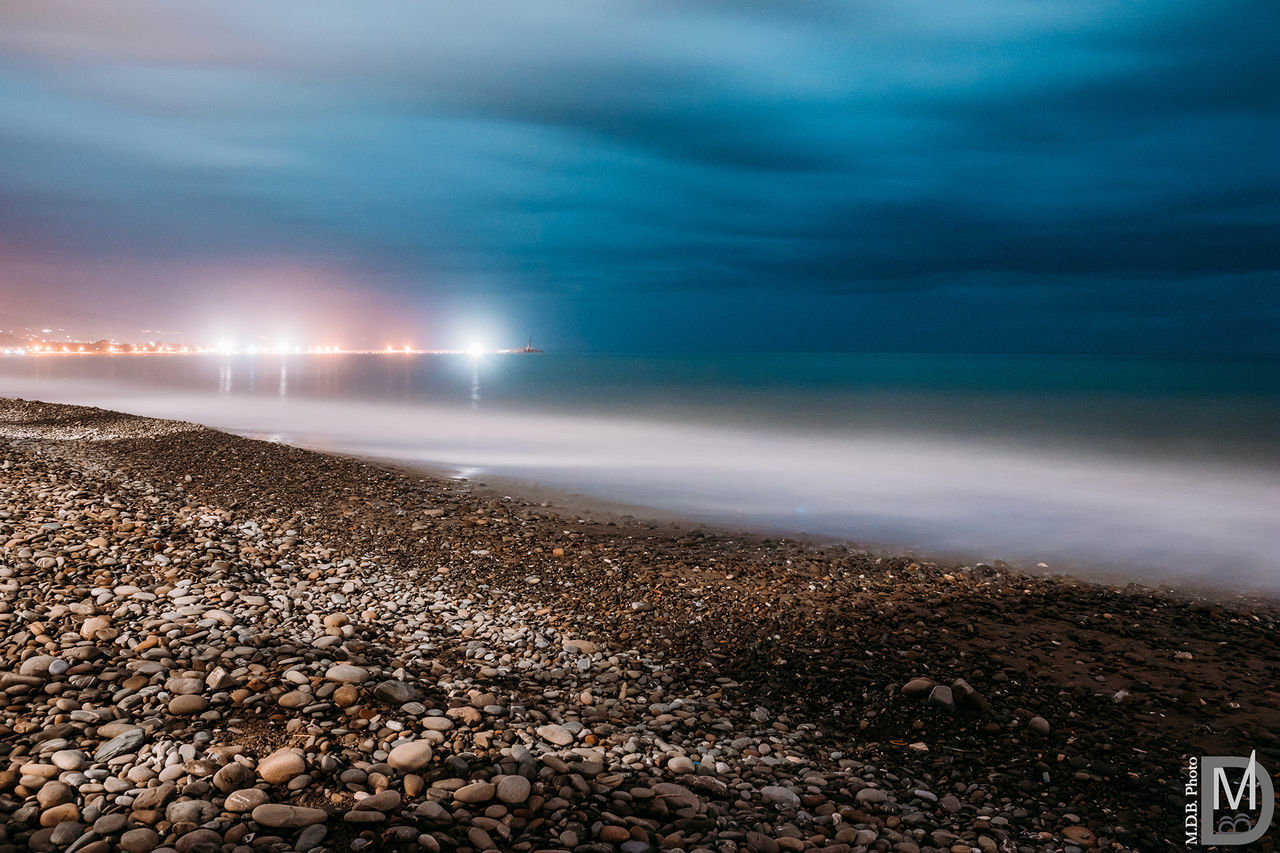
{"x": 1143, "y": 468}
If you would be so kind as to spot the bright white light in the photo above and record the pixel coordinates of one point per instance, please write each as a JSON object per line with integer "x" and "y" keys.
{"x": 475, "y": 349}
{"x": 226, "y": 347}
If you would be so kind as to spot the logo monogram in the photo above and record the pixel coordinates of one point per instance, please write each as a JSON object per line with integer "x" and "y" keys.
{"x": 1234, "y": 816}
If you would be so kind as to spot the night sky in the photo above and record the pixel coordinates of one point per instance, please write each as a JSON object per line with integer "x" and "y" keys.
{"x": 975, "y": 175}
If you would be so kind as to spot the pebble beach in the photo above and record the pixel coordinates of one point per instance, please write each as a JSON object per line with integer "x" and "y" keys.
{"x": 213, "y": 644}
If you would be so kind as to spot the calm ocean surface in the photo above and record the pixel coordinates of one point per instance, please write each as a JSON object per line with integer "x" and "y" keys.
{"x": 1146, "y": 468}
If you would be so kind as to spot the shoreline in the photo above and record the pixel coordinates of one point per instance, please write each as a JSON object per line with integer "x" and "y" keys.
{"x": 635, "y": 518}
{"x": 952, "y": 499}
{"x": 677, "y": 690}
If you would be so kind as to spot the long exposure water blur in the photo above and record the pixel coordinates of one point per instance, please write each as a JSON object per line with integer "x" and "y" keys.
{"x": 1144, "y": 468}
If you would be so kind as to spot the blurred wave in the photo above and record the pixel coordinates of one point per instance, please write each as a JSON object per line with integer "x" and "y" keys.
{"x": 1011, "y": 484}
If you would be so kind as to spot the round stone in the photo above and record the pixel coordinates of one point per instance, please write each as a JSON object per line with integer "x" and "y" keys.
{"x": 282, "y": 765}
{"x": 283, "y": 816}
{"x": 121, "y": 744}
{"x": 347, "y": 674}
{"x": 1080, "y": 835}
{"x": 66, "y": 832}
{"x": 58, "y": 814}
{"x": 554, "y": 734}
{"x": 872, "y": 796}
{"x": 346, "y": 696}
{"x": 187, "y": 704}
{"x": 780, "y": 796}
{"x": 410, "y": 757}
{"x": 680, "y": 764}
{"x": 94, "y": 625}
{"x": 614, "y": 834}
{"x": 180, "y": 686}
{"x": 514, "y": 789}
{"x": 141, "y": 840}
{"x": 37, "y": 665}
{"x": 110, "y": 824}
{"x": 245, "y": 800}
{"x": 295, "y": 699}
{"x": 69, "y": 759}
{"x": 476, "y": 792}
{"x": 397, "y": 692}
{"x": 384, "y": 801}
{"x": 918, "y": 687}
{"x": 55, "y": 794}
{"x": 199, "y": 841}
{"x": 233, "y": 777}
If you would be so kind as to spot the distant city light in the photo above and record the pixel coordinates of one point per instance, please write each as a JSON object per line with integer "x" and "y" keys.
{"x": 34, "y": 345}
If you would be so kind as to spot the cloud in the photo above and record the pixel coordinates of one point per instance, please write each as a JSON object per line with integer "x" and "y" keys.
{"x": 476, "y": 155}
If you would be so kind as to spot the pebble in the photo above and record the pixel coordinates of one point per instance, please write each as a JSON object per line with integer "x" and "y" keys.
{"x": 872, "y": 796}
{"x": 396, "y": 692}
{"x": 410, "y": 757}
{"x": 122, "y": 744}
{"x": 347, "y": 674}
{"x": 245, "y": 800}
{"x": 69, "y": 759}
{"x": 187, "y": 704}
{"x": 384, "y": 801}
{"x": 208, "y": 669}
{"x": 942, "y": 697}
{"x": 680, "y": 764}
{"x": 918, "y": 687}
{"x": 233, "y": 777}
{"x": 141, "y": 840}
{"x": 284, "y": 816}
{"x": 1080, "y": 835}
{"x": 780, "y": 796}
{"x": 555, "y": 734}
{"x": 476, "y": 792}
{"x": 282, "y": 765}
{"x": 514, "y": 790}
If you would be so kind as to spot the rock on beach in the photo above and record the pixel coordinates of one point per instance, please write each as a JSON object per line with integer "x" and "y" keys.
{"x": 218, "y": 644}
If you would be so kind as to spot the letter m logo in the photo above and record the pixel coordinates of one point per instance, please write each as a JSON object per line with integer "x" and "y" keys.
{"x": 1226, "y": 815}
{"x": 1249, "y": 781}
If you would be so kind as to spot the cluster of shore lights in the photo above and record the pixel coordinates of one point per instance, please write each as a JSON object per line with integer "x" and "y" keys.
{"x": 283, "y": 349}
{"x": 475, "y": 350}
{"x": 91, "y": 349}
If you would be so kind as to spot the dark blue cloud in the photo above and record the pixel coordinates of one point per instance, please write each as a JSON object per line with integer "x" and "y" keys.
{"x": 988, "y": 175}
